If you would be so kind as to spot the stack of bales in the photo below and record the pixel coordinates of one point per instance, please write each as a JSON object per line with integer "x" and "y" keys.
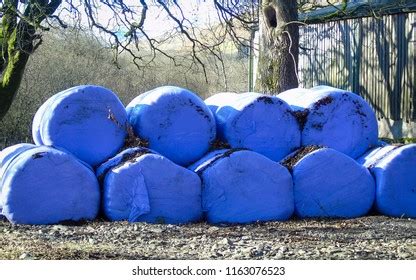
{"x": 82, "y": 161}
{"x": 169, "y": 157}
{"x": 343, "y": 121}
{"x": 393, "y": 168}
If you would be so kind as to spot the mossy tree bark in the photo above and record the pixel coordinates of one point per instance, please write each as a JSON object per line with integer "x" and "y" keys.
{"x": 279, "y": 46}
{"x": 17, "y": 42}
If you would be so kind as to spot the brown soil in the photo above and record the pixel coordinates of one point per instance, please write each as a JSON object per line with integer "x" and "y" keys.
{"x": 132, "y": 140}
{"x": 301, "y": 117}
{"x": 323, "y": 102}
{"x": 290, "y": 162}
{"x": 218, "y": 145}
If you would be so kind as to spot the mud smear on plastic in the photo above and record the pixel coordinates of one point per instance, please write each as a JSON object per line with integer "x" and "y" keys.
{"x": 323, "y": 102}
{"x": 219, "y": 145}
{"x": 217, "y": 158}
{"x": 128, "y": 157}
{"x": 291, "y": 161}
{"x": 301, "y": 117}
{"x": 267, "y": 100}
{"x": 132, "y": 141}
{"x": 200, "y": 110}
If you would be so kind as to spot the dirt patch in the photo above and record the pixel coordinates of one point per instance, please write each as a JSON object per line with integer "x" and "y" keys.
{"x": 113, "y": 118}
{"x": 317, "y": 126}
{"x": 39, "y": 155}
{"x": 359, "y": 108}
{"x": 301, "y": 117}
{"x": 200, "y": 110}
{"x": 291, "y": 161}
{"x": 132, "y": 157}
{"x": 266, "y": 100}
{"x": 132, "y": 141}
{"x": 218, "y": 145}
{"x": 323, "y": 102}
{"x": 371, "y": 237}
{"x": 127, "y": 157}
{"x": 217, "y": 158}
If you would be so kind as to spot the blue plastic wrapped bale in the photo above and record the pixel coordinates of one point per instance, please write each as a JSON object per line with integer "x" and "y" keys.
{"x": 88, "y": 121}
{"x": 7, "y": 155}
{"x": 175, "y": 122}
{"x": 140, "y": 185}
{"x": 11, "y": 152}
{"x": 241, "y": 186}
{"x": 37, "y": 119}
{"x": 329, "y": 184}
{"x": 394, "y": 169}
{"x": 334, "y": 118}
{"x": 261, "y": 123}
{"x": 43, "y": 185}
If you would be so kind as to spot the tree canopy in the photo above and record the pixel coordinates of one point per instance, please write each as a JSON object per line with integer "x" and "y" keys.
{"x": 122, "y": 23}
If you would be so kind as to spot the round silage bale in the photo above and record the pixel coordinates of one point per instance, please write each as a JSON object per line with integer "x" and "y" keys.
{"x": 42, "y": 185}
{"x": 88, "y": 121}
{"x": 241, "y": 186}
{"x": 37, "y": 119}
{"x": 7, "y": 155}
{"x": 394, "y": 170}
{"x": 174, "y": 121}
{"x": 334, "y": 118}
{"x": 261, "y": 123}
{"x": 140, "y": 185}
{"x": 329, "y": 184}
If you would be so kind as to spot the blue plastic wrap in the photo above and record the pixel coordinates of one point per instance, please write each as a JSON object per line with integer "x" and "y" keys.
{"x": 142, "y": 186}
{"x": 174, "y": 121}
{"x": 330, "y": 184}
{"x": 42, "y": 185}
{"x": 88, "y": 121}
{"x": 241, "y": 186}
{"x": 334, "y": 118}
{"x": 261, "y": 123}
{"x": 37, "y": 119}
{"x": 394, "y": 169}
{"x": 7, "y": 155}
{"x": 11, "y": 152}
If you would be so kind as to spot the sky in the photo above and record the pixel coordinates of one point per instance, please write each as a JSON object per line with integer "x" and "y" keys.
{"x": 199, "y": 12}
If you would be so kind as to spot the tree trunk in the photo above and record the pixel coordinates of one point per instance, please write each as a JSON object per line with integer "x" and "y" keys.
{"x": 12, "y": 74}
{"x": 17, "y": 44}
{"x": 279, "y": 46}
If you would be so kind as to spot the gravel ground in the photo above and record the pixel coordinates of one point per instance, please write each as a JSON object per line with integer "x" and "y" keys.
{"x": 372, "y": 237}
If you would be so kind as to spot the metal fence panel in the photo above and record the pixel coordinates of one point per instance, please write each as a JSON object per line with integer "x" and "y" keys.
{"x": 372, "y": 56}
